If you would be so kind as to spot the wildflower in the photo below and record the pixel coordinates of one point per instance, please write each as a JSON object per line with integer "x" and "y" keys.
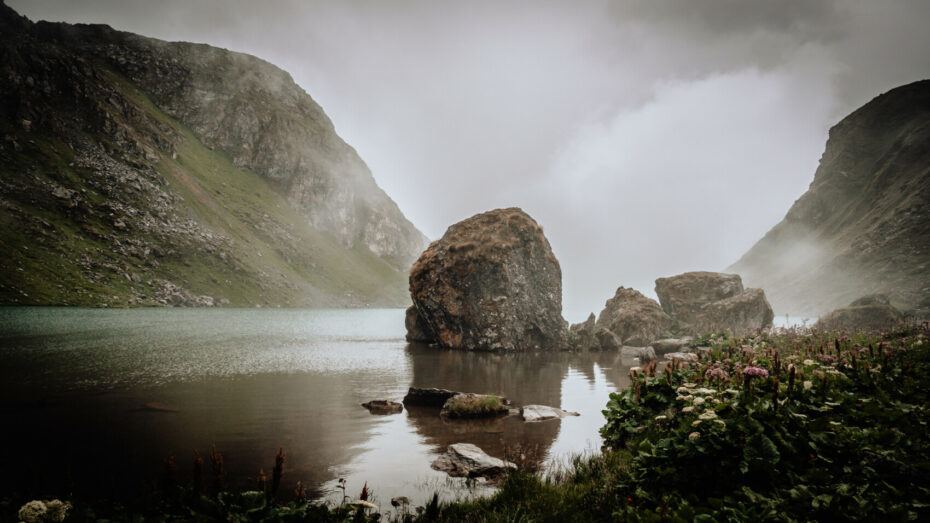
{"x": 720, "y": 422}
{"x": 755, "y": 372}
{"x": 682, "y": 390}
{"x": 826, "y": 358}
{"x": 694, "y": 435}
{"x": 32, "y": 512}
{"x": 708, "y": 415}
{"x": 696, "y": 423}
{"x": 704, "y": 391}
{"x": 810, "y": 362}
{"x": 661, "y": 417}
{"x": 687, "y": 409}
{"x": 808, "y": 384}
{"x": 716, "y": 373}
{"x": 689, "y": 385}
{"x": 689, "y": 397}
{"x": 699, "y": 401}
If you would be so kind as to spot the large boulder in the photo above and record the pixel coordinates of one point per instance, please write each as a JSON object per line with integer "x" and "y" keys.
{"x": 634, "y": 318}
{"x": 746, "y": 312}
{"x": 704, "y": 301}
{"x": 869, "y": 313}
{"x": 491, "y": 283}
{"x": 684, "y": 296}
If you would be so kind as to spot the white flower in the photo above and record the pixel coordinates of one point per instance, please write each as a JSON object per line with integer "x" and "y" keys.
{"x": 687, "y": 409}
{"x": 661, "y": 417}
{"x": 808, "y": 384}
{"x": 721, "y": 422}
{"x": 698, "y": 401}
{"x": 696, "y": 423}
{"x": 708, "y": 415}
{"x": 734, "y": 392}
{"x": 704, "y": 391}
{"x": 810, "y": 362}
{"x": 689, "y": 385}
{"x": 32, "y": 512}
{"x": 682, "y": 390}
{"x": 694, "y": 435}
{"x": 689, "y": 397}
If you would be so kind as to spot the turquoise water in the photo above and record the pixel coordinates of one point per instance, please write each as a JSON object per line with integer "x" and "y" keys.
{"x": 100, "y": 397}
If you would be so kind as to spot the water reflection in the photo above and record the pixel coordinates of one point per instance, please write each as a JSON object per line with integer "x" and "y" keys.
{"x": 75, "y": 381}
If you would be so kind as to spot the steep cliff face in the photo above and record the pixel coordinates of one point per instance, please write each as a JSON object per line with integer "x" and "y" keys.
{"x": 863, "y": 227}
{"x": 134, "y": 170}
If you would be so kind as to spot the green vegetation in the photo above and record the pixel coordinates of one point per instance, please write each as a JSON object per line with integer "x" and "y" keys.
{"x": 182, "y": 213}
{"x": 474, "y": 406}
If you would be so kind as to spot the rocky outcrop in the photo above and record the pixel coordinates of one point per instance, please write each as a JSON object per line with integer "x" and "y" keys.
{"x": 491, "y": 283}
{"x": 542, "y": 412}
{"x": 862, "y": 226}
{"x": 469, "y": 461}
{"x": 706, "y": 301}
{"x": 127, "y": 161}
{"x": 667, "y": 345}
{"x": 869, "y": 313}
{"x": 581, "y": 335}
{"x": 643, "y": 354}
{"x": 633, "y": 318}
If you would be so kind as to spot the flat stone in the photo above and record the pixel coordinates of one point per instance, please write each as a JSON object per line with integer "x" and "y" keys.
{"x": 428, "y": 397}
{"x": 543, "y": 412}
{"x": 469, "y": 461}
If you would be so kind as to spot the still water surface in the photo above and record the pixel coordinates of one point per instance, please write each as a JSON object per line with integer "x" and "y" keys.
{"x": 94, "y": 399}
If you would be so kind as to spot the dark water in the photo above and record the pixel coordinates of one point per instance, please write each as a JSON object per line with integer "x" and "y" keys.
{"x": 94, "y": 400}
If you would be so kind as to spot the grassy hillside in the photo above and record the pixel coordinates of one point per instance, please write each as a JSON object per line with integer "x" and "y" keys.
{"x": 141, "y": 212}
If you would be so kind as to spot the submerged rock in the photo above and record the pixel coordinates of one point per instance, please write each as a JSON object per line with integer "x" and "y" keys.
{"x": 491, "y": 283}
{"x": 468, "y": 405}
{"x": 869, "y": 313}
{"x": 427, "y": 397}
{"x": 705, "y": 301}
{"x": 543, "y": 412}
{"x": 384, "y": 407}
{"x": 634, "y": 318}
{"x": 467, "y": 460}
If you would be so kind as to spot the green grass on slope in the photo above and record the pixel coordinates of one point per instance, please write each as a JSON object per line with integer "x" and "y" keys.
{"x": 271, "y": 256}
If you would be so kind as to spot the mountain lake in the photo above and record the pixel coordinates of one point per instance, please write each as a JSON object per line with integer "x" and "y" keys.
{"x": 97, "y": 399}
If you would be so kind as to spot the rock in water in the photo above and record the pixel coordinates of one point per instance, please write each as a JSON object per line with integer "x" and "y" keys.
{"x": 428, "y": 397}
{"x": 704, "y": 301}
{"x": 543, "y": 412}
{"x": 467, "y": 460}
{"x": 633, "y": 318}
{"x": 491, "y": 283}
{"x": 384, "y": 407}
{"x": 869, "y": 313}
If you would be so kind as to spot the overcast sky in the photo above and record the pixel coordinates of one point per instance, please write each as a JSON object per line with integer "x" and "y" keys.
{"x": 647, "y": 137}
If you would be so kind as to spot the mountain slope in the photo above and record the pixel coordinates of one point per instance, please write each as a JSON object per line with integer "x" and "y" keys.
{"x": 864, "y": 224}
{"x": 136, "y": 171}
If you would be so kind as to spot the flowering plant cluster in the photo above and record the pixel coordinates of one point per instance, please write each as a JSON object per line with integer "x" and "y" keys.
{"x": 796, "y": 425}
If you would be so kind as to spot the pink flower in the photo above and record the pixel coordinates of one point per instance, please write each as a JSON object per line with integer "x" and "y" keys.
{"x": 755, "y": 372}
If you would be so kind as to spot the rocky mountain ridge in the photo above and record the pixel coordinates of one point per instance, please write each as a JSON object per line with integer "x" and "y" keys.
{"x": 135, "y": 171}
{"x": 863, "y": 227}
